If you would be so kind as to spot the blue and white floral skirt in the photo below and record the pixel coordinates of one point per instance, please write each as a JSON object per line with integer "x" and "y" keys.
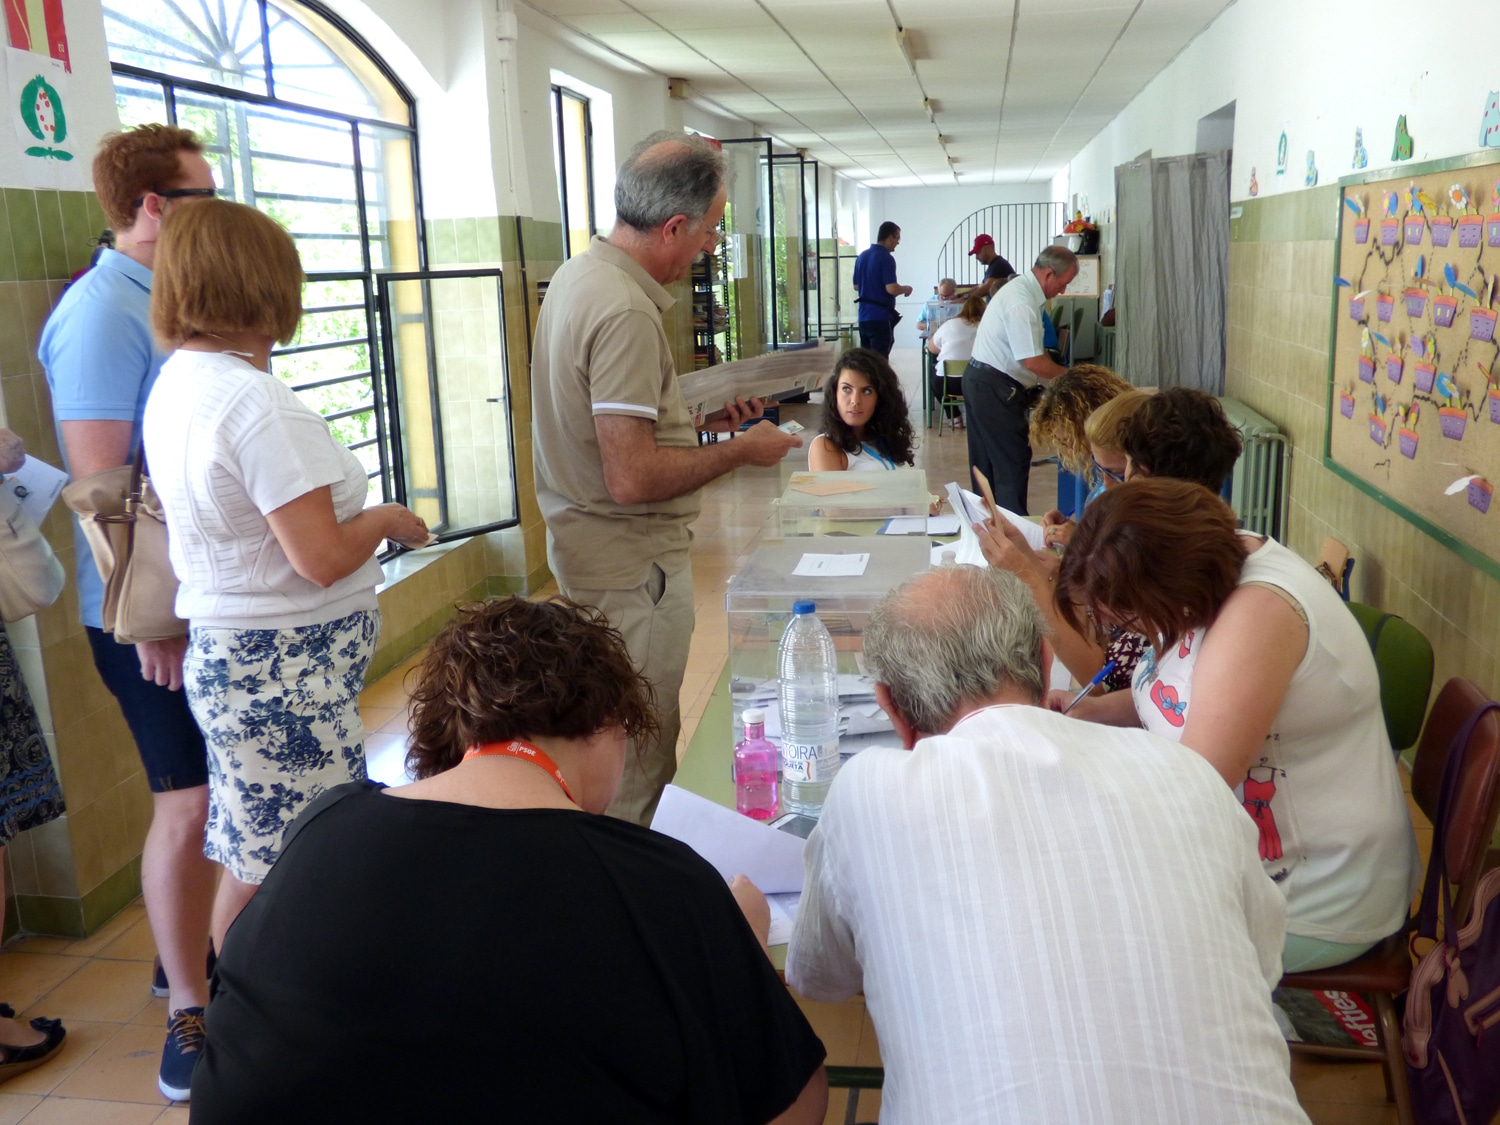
{"x": 279, "y": 709}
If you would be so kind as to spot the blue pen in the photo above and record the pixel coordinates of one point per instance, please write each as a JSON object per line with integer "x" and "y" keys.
{"x": 1092, "y": 684}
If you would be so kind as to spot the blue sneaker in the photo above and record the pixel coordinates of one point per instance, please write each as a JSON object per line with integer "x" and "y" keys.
{"x": 180, "y": 1054}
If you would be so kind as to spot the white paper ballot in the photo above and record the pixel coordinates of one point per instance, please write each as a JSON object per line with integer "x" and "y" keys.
{"x": 734, "y": 844}
{"x": 904, "y": 525}
{"x": 783, "y": 915}
{"x": 832, "y": 566}
{"x": 1032, "y": 531}
{"x": 36, "y": 485}
{"x": 946, "y": 524}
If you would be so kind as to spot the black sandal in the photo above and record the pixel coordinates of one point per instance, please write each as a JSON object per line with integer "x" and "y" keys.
{"x": 18, "y": 1060}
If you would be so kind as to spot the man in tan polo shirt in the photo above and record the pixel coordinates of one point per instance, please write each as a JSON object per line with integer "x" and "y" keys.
{"x": 617, "y": 461}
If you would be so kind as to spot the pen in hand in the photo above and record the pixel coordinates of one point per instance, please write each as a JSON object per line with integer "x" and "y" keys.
{"x": 1090, "y": 686}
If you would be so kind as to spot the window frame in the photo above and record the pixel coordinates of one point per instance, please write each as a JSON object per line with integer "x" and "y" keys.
{"x": 361, "y": 130}
{"x": 560, "y": 150}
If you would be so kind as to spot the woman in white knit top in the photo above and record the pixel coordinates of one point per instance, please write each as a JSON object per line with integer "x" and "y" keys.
{"x": 269, "y": 537}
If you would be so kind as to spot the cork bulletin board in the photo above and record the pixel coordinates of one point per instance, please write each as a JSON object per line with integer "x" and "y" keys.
{"x": 1414, "y": 385}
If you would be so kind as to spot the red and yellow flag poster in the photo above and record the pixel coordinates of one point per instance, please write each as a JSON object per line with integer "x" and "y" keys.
{"x": 37, "y": 25}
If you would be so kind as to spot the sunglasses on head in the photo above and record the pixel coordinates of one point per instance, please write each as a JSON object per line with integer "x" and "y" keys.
{"x": 179, "y": 193}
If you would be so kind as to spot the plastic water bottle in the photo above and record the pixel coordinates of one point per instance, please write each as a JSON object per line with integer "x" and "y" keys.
{"x": 807, "y": 674}
{"x": 757, "y": 768}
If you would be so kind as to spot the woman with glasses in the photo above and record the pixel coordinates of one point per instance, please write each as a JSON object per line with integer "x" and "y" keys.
{"x": 1255, "y": 663}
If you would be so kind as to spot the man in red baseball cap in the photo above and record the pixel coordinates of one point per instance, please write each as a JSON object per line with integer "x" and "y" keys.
{"x": 997, "y": 271}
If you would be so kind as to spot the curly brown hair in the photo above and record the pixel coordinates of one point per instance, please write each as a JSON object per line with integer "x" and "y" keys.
{"x": 1058, "y": 420}
{"x": 513, "y": 668}
{"x": 130, "y": 164}
{"x": 1165, "y": 553}
{"x": 889, "y": 430}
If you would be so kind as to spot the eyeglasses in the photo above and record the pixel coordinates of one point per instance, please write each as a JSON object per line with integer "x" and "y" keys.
{"x": 1118, "y": 478}
{"x": 179, "y": 193}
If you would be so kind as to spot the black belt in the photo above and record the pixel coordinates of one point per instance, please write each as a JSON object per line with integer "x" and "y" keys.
{"x": 1012, "y": 393}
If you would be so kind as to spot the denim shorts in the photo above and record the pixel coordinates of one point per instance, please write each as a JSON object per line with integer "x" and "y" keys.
{"x": 166, "y": 734}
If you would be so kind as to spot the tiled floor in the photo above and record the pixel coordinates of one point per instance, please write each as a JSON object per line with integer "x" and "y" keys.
{"x": 106, "y": 1074}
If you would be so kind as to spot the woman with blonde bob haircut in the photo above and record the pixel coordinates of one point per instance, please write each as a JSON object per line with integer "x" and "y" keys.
{"x": 269, "y": 537}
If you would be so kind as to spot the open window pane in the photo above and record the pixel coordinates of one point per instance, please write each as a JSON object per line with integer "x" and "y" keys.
{"x": 572, "y": 153}
{"x": 446, "y": 373}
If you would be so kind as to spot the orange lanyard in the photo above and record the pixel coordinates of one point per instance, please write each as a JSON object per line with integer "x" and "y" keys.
{"x": 516, "y": 748}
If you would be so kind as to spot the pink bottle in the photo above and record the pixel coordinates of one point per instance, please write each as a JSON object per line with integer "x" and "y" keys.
{"x": 757, "y": 769}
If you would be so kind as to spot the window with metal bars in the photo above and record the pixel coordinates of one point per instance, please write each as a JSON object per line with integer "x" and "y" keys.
{"x": 299, "y": 119}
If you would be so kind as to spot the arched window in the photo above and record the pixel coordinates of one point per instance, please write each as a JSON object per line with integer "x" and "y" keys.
{"x": 299, "y": 119}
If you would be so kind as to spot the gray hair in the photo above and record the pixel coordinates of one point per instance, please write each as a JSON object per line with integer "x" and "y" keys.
{"x": 681, "y": 177}
{"x": 948, "y": 281}
{"x": 953, "y": 634}
{"x": 1058, "y": 259}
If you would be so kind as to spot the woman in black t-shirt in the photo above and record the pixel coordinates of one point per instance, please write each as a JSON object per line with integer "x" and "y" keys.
{"x": 478, "y": 945}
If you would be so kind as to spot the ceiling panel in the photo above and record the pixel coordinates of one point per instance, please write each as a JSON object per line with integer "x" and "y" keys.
{"x": 828, "y": 75}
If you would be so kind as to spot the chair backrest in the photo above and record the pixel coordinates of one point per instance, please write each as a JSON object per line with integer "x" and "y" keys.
{"x": 1476, "y": 807}
{"x": 1403, "y": 657}
{"x": 954, "y": 368}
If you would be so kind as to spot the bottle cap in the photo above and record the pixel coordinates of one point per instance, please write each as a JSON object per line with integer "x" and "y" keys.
{"x": 804, "y": 607}
{"x": 949, "y": 558}
{"x": 753, "y": 716}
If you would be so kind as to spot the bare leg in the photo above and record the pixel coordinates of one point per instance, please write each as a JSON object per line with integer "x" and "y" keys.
{"x": 231, "y": 899}
{"x": 14, "y": 1033}
{"x": 178, "y": 883}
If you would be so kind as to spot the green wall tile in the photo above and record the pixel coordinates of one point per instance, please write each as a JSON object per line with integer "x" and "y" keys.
{"x": 510, "y": 248}
{"x": 489, "y": 239}
{"x": 25, "y": 234}
{"x": 46, "y": 914}
{"x": 112, "y": 896}
{"x": 79, "y": 231}
{"x": 466, "y": 239}
{"x": 7, "y": 255}
{"x": 442, "y": 244}
{"x": 54, "y": 243}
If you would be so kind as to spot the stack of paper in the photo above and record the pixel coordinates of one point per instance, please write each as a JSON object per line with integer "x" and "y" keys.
{"x": 775, "y": 375}
{"x": 862, "y": 723}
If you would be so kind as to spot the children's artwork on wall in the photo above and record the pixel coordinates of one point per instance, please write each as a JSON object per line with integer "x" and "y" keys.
{"x": 1311, "y": 179}
{"x": 1361, "y": 157}
{"x": 1402, "y": 149}
{"x": 1419, "y": 305}
{"x": 1281, "y": 155}
{"x": 1489, "y": 124}
{"x": 1254, "y": 184}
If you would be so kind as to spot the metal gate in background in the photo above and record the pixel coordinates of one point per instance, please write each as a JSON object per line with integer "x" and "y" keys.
{"x": 1020, "y": 231}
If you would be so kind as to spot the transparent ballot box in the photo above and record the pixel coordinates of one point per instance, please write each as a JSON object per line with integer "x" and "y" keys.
{"x": 759, "y": 605}
{"x": 814, "y": 503}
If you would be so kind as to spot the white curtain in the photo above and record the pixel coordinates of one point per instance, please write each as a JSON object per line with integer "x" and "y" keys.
{"x": 1172, "y": 270}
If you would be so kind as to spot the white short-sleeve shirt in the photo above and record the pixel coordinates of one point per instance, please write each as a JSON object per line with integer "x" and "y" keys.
{"x": 1012, "y": 328}
{"x": 226, "y": 444}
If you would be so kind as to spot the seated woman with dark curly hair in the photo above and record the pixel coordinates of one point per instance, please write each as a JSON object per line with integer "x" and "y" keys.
{"x": 480, "y": 944}
{"x": 865, "y": 421}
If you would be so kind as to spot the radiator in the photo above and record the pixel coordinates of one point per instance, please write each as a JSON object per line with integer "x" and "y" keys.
{"x": 1258, "y": 486}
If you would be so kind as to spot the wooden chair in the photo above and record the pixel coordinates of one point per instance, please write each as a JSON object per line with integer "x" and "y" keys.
{"x": 952, "y": 369}
{"x": 1403, "y": 657}
{"x": 1384, "y": 972}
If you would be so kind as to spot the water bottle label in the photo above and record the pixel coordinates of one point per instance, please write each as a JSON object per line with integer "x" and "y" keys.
{"x": 814, "y": 761}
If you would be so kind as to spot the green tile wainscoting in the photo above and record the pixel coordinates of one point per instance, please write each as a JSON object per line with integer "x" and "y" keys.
{"x": 1280, "y": 290}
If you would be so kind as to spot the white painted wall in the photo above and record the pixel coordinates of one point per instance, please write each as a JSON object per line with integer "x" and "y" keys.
{"x": 927, "y": 216}
{"x": 1317, "y": 71}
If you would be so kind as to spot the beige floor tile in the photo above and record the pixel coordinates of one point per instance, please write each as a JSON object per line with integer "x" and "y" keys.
{"x": 109, "y": 991}
{"x": 396, "y": 724}
{"x": 90, "y": 946}
{"x": 84, "y": 1038}
{"x": 376, "y": 717}
{"x": 385, "y": 693}
{"x": 837, "y": 1025}
{"x": 13, "y": 1107}
{"x": 26, "y": 976}
{"x": 135, "y": 944}
{"x": 123, "y": 1069}
{"x": 84, "y": 1111}
{"x": 40, "y": 944}
{"x": 174, "y": 1115}
{"x": 154, "y": 1014}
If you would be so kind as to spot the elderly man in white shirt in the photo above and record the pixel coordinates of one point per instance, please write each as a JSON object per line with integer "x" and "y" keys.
{"x": 1051, "y": 921}
{"x": 1006, "y": 371}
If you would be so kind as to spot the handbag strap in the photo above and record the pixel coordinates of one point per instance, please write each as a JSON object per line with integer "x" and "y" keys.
{"x": 1437, "y": 882}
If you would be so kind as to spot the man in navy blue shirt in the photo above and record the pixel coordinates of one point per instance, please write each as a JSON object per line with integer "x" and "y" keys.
{"x": 877, "y": 289}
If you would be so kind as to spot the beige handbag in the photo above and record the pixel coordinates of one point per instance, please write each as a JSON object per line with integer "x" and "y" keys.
{"x": 123, "y": 522}
{"x": 31, "y": 578}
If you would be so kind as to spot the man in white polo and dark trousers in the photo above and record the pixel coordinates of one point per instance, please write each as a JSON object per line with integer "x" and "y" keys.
{"x": 1005, "y": 376}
